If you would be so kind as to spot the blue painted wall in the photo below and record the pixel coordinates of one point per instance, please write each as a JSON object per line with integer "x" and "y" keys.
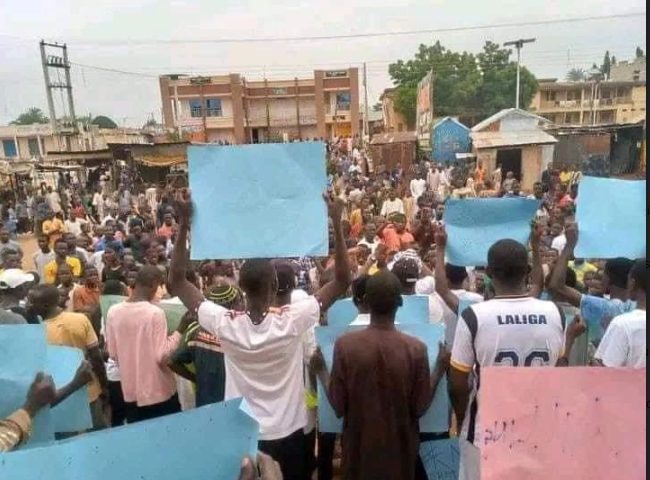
{"x": 449, "y": 138}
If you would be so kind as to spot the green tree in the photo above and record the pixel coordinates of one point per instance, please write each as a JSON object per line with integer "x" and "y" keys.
{"x": 576, "y": 75}
{"x": 377, "y": 107}
{"x": 464, "y": 84}
{"x": 606, "y": 67}
{"x": 104, "y": 122}
{"x": 31, "y": 116}
{"x": 639, "y": 52}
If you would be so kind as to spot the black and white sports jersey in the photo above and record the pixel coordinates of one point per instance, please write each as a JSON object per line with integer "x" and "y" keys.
{"x": 505, "y": 331}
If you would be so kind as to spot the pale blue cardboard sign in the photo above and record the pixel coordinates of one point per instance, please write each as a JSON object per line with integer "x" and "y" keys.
{"x": 22, "y": 355}
{"x": 414, "y": 309}
{"x": 441, "y": 459}
{"x": 73, "y": 414}
{"x": 261, "y": 200}
{"x": 475, "y": 224}
{"x": 611, "y": 216}
{"x": 435, "y": 419}
{"x": 206, "y": 443}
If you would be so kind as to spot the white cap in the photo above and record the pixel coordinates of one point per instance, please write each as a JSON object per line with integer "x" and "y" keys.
{"x": 13, "y": 278}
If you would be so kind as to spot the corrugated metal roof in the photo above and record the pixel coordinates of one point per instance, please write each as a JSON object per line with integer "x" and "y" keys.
{"x": 482, "y": 140}
{"x": 394, "y": 137}
{"x": 504, "y": 113}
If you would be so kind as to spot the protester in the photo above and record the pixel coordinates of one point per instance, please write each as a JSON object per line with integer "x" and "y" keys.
{"x": 513, "y": 329}
{"x": 138, "y": 342}
{"x": 276, "y": 395}
{"x": 72, "y": 330}
{"x": 61, "y": 257}
{"x": 624, "y": 342}
{"x": 380, "y": 384}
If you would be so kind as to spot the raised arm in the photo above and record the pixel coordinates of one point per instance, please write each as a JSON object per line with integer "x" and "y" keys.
{"x": 442, "y": 286}
{"x": 557, "y": 284}
{"x": 331, "y": 291}
{"x": 537, "y": 274}
{"x": 180, "y": 286}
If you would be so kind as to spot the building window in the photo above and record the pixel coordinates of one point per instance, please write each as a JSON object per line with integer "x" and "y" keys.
{"x": 213, "y": 107}
{"x": 195, "y": 108}
{"x": 549, "y": 96}
{"x": 343, "y": 101}
{"x": 9, "y": 148}
{"x": 279, "y": 91}
{"x": 32, "y": 145}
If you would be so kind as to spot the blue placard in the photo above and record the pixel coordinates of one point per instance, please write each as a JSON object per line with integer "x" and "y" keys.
{"x": 206, "y": 443}
{"x": 441, "y": 459}
{"x": 435, "y": 419}
{"x": 475, "y": 224}
{"x": 22, "y": 355}
{"x": 72, "y": 414}
{"x": 258, "y": 200}
{"x": 414, "y": 309}
{"x": 611, "y": 216}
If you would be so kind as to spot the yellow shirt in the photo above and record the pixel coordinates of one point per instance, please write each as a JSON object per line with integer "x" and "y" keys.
{"x": 54, "y": 230}
{"x": 74, "y": 330}
{"x": 581, "y": 269}
{"x": 51, "y": 268}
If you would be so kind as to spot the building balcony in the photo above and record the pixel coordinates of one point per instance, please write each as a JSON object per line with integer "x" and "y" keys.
{"x": 260, "y": 121}
{"x": 210, "y": 122}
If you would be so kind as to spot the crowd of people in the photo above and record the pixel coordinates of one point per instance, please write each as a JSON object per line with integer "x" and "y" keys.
{"x": 249, "y": 327}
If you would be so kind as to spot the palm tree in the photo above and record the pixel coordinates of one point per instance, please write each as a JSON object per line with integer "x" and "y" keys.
{"x": 576, "y": 75}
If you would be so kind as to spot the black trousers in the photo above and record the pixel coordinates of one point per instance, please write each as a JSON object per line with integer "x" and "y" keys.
{"x": 137, "y": 414}
{"x": 326, "y": 445}
{"x": 116, "y": 400}
{"x": 289, "y": 452}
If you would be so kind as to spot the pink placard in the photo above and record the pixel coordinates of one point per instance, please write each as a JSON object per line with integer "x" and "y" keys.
{"x": 563, "y": 423}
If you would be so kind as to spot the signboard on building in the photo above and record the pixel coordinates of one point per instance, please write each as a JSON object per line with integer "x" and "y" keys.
{"x": 424, "y": 111}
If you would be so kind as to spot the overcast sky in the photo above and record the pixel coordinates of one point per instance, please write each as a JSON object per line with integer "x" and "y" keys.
{"x": 122, "y": 35}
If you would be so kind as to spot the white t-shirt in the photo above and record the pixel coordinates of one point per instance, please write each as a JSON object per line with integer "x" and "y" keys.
{"x": 372, "y": 246}
{"x": 449, "y": 318}
{"x": 74, "y": 227}
{"x": 559, "y": 243}
{"x": 509, "y": 332}
{"x": 418, "y": 186}
{"x": 624, "y": 342}
{"x": 264, "y": 363}
{"x": 392, "y": 206}
{"x": 54, "y": 200}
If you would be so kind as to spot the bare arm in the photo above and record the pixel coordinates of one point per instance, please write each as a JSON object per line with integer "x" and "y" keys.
{"x": 442, "y": 286}
{"x": 81, "y": 378}
{"x": 180, "y": 286}
{"x": 578, "y": 327}
{"x": 459, "y": 393}
{"x": 537, "y": 274}
{"x": 557, "y": 284}
{"x": 97, "y": 362}
{"x": 331, "y": 291}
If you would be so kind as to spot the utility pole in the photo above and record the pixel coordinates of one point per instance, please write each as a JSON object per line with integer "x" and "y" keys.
{"x": 366, "y": 129}
{"x": 297, "y": 87}
{"x": 59, "y": 62}
{"x": 518, "y": 44}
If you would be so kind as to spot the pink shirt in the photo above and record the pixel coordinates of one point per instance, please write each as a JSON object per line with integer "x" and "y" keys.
{"x": 137, "y": 340}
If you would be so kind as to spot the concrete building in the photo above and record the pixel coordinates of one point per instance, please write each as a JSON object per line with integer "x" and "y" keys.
{"x": 626, "y": 71}
{"x": 590, "y": 103}
{"x": 38, "y": 142}
{"x": 394, "y": 121}
{"x": 515, "y": 140}
{"x": 229, "y": 108}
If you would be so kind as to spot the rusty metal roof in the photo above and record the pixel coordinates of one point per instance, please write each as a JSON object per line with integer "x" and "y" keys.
{"x": 482, "y": 140}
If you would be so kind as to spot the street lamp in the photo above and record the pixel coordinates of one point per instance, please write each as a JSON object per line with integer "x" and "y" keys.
{"x": 518, "y": 44}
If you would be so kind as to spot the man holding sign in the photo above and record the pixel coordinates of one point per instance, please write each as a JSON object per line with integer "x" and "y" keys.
{"x": 262, "y": 345}
{"x": 381, "y": 385}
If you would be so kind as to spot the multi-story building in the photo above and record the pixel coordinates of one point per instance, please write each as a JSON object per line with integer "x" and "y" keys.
{"x": 229, "y": 108}
{"x": 590, "y": 103}
{"x": 394, "y": 121}
{"x": 633, "y": 71}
